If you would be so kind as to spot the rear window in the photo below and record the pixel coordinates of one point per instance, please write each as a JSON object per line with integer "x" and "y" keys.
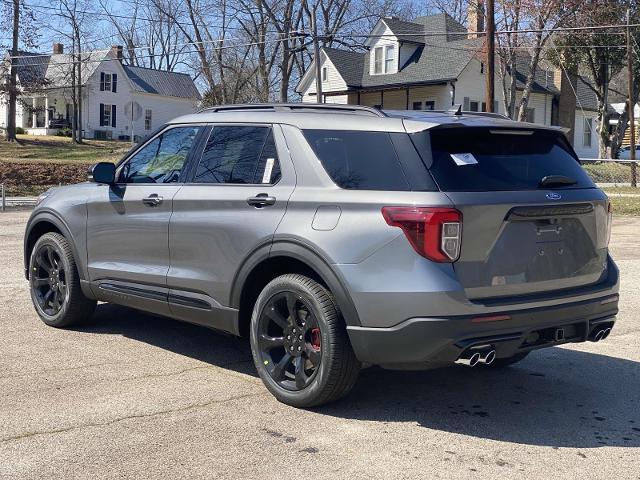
{"x": 488, "y": 159}
{"x": 358, "y": 160}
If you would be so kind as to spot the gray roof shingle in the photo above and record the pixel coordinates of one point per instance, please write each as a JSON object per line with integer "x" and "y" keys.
{"x": 160, "y": 82}
{"x": 349, "y": 64}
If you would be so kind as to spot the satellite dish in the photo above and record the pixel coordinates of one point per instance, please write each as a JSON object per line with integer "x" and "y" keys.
{"x": 133, "y": 110}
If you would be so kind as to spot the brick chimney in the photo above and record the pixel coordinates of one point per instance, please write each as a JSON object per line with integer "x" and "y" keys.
{"x": 116, "y": 52}
{"x": 564, "y": 113}
{"x": 58, "y": 49}
{"x": 476, "y": 19}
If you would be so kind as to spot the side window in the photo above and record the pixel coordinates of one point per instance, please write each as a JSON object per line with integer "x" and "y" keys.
{"x": 161, "y": 160}
{"x": 239, "y": 154}
{"x": 358, "y": 160}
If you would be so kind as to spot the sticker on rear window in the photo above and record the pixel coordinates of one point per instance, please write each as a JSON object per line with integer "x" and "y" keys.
{"x": 266, "y": 176}
{"x": 464, "y": 159}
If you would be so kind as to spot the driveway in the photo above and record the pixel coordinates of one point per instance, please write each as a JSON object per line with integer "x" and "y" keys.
{"x": 134, "y": 396}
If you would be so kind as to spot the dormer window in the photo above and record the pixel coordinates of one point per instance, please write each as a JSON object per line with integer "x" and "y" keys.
{"x": 377, "y": 66}
{"x": 389, "y": 58}
{"x": 384, "y": 59}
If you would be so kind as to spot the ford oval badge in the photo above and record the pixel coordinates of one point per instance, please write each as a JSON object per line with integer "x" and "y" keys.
{"x": 553, "y": 196}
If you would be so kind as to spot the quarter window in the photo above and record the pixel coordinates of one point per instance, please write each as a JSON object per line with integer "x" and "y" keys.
{"x": 358, "y": 160}
{"x": 239, "y": 154}
{"x": 162, "y": 159}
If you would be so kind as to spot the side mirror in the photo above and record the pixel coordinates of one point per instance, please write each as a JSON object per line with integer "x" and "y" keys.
{"x": 103, "y": 172}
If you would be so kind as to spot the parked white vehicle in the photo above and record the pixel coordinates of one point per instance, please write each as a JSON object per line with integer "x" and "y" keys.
{"x": 625, "y": 153}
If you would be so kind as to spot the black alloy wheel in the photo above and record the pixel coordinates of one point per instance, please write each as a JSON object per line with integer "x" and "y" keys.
{"x": 49, "y": 279}
{"x": 289, "y": 341}
{"x": 54, "y": 283}
{"x": 300, "y": 344}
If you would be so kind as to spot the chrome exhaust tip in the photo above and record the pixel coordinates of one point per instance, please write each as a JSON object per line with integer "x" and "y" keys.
{"x": 468, "y": 359}
{"x": 599, "y": 335}
{"x": 488, "y": 356}
{"x": 605, "y": 333}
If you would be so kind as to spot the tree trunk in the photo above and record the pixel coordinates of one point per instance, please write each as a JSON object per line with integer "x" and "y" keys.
{"x": 13, "y": 77}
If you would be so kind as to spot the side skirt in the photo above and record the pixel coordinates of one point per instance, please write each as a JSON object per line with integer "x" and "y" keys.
{"x": 192, "y": 307}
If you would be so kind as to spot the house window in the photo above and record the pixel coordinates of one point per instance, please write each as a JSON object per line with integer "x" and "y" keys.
{"x": 107, "y": 115}
{"x": 530, "y": 115}
{"x": 417, "y": 105}
{"x": 429, "y": 105}
{"x": 147, "y": 119}
{"x": 473, "y": 106}
{"x": 389, "y": 58}
{"x": 324, "y": 74}
{"x": 377, "y": 65}
{"x": 108, "y": 82}
{"x": 586, "y": 133}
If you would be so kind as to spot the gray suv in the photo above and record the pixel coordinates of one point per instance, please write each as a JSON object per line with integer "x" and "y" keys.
{"x": 336, "y": 237}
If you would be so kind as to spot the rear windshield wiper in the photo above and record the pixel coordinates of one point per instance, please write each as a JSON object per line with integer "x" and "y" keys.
{"x": 556, "y": 181}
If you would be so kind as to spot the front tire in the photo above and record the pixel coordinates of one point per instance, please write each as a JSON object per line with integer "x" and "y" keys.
{"x": 299, "y": 343}
{"x": 55, "y": 285}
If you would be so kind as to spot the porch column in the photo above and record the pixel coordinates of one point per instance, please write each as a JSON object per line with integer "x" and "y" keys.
{"x": 46, "y": 112}
{"x": 34, "y": 115}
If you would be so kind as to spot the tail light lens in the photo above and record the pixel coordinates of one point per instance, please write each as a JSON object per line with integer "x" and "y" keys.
{"x": 434, "y": 233}
{"x": 609, "y": 221}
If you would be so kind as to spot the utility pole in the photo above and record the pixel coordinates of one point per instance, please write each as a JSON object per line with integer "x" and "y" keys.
{"x": 13, "y": 77}
{"x": 316, "y": 54}
{"x": 632, "y": 104}
{"x": 491, "y": 52}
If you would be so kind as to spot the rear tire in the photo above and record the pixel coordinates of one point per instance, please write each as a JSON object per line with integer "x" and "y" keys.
{"x": 505, "y": 362}
{"x": 55, "y": 285}
{"x": 300, "y": 344}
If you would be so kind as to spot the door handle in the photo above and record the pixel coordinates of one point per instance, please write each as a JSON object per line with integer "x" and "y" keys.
{"x": 152, "y": 200}
{"x": 261, "y": 200}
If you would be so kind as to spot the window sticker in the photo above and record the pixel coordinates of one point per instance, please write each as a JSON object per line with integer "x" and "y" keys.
{"x": 464, "y": 159}
{"x": 266, "y": 176}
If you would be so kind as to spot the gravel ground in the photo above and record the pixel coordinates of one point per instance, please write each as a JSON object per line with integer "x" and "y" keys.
{"x": 134, "y": 396}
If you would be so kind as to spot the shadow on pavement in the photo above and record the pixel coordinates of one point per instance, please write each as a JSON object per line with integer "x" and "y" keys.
{"x": 555, "y": 397}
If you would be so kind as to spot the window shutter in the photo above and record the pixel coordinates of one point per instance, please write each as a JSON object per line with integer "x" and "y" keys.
{"x": 102, "y": 114}
{"x": 113, "y": 115}
{"x": 466, "y": 104}
{"x": 114, "y": 82}
{"x": 102, "y": 82}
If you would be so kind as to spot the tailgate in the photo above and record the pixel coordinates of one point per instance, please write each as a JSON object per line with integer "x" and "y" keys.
{"x": 516, "y": 243}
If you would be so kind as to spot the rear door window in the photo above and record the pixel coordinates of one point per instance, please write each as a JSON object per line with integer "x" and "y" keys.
{"x": 487, "y": 159}
{"x": 358, "y": 160}
{"x": 240, "y": 155}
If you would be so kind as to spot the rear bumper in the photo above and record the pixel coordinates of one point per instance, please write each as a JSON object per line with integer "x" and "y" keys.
{"x": 433, "y": 341}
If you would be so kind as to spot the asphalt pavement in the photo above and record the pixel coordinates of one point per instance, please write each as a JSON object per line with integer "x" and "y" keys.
{"x": 134, "y": 396}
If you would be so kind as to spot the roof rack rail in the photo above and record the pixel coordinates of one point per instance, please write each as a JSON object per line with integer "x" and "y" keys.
{"x": 295, "y": 107}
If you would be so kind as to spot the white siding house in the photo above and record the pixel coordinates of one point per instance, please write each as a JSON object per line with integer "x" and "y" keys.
{"x": 405, "y": 68}
{"x": 118, "y": 101}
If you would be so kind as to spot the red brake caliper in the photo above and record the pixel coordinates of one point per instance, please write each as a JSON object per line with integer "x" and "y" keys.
{"x": 315, "y": 339}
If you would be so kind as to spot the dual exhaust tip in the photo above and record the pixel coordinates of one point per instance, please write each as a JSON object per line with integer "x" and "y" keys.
{"x": 476, "y": 355}
{"x": 600, "y": 334}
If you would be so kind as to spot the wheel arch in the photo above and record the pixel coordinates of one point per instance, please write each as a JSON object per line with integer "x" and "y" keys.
{"x": 47, "y": 222}
{"x": 282, "y": 257}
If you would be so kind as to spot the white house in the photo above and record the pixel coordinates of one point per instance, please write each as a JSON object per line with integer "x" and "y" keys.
{"x": 118, "y": 101}
{"x": 406, "y": 67}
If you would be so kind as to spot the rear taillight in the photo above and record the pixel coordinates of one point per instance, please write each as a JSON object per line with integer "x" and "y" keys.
{"x": 609, "y": 221}
{"x": 434, "y": 233}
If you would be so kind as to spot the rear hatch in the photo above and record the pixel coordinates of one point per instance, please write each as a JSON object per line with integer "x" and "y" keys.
{"x": 533, "y": 221}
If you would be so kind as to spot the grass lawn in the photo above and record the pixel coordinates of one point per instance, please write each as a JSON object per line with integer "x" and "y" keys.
{"x": 30, "y": 148}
